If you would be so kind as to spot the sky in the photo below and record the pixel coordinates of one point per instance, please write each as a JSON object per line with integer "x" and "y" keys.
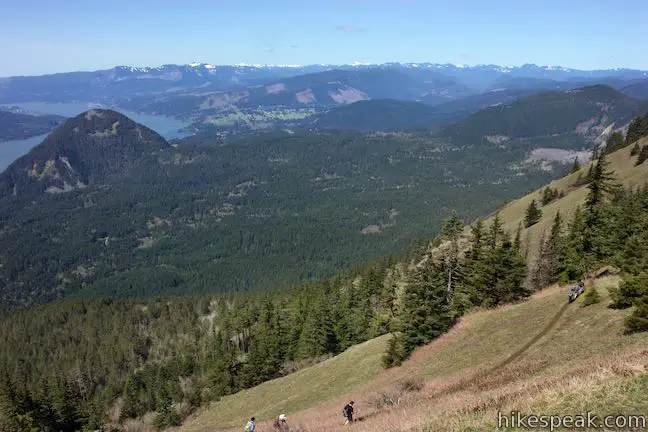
{"x": 45, "y": 36}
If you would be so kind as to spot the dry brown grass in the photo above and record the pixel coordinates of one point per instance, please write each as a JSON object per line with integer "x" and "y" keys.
{"x": 585, "y": 351}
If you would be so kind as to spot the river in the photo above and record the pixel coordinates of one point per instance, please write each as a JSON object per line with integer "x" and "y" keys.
{"x": 168, "y": 127}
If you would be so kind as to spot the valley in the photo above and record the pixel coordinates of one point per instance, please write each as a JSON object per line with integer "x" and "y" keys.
{"x": 203, "y": 243}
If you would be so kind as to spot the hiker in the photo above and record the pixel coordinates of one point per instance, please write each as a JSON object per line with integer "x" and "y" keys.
{"x": 280, "y": 423}
{"x": 250, "y": 426}
{"x": 348, "y": 413}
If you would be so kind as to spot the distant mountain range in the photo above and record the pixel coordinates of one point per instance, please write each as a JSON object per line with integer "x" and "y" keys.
{"x": 125, "y": 82}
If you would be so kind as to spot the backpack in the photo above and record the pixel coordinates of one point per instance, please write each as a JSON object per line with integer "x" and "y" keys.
{"x": 248, "y": 427}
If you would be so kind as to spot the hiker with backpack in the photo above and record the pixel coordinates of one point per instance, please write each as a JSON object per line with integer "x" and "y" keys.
{"x": 250, "y": 426}
{"x": 348, "y": 413}
{"x": 280, "y": 423}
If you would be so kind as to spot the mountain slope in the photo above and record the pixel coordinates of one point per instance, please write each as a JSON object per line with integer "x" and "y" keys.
{"x": 82, "y": 152}
{"x": 191, "y": 218}
{"x": 636, "y": 89}
{"x": 377, "y": 115}
{"x": 452, "y": 371}
{"x": 186, "y": 350}
{"x": 319, "y": 89}
{"x": 125, "y": 82}
{"x": 578, "y": 116}
{"x": 512, "y": 214}
{"x": 17, "y": 126}
{"x": 541, "y": 355}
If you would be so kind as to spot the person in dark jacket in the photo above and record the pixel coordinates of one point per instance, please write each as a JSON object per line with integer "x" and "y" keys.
{"x": 348, "y": 413}
{"x": 280, "y": 423}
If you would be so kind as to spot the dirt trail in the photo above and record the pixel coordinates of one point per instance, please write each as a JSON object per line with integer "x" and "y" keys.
{"x": 535, "y": 339}
{"x": 475, "y": 379}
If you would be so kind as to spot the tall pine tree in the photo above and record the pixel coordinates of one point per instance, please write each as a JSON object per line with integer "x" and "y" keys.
{"x": 533, "y": 214}
{"x": 427, "y": 313}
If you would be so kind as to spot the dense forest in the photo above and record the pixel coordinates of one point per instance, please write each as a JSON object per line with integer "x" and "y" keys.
{"x": 85, "y": 363}
{"x": 250, "y": 214}
{"x": 17, "y": 126}
{"x": 575, "y": 116}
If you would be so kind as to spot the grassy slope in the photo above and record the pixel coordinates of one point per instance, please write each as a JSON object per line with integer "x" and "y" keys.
{"x": 571, "y": 364}
{"x": 513, "y": 213}
{"x": 583, "y": 362}
{"x": 300, "y": 390}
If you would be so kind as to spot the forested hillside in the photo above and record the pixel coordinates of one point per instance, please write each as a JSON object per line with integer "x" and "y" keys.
{"x": 249, "y": 214}
{"x": 571, "y": 119}
{"x": 379, "y": 115}
{"x": 170, "y": 355}
{"x": 17, "y": 126}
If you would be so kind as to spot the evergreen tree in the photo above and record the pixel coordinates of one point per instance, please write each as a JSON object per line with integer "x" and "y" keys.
{"x": 505, "y": 271}
{"x": 555, "y": 250}
{"x": 533, "y": 214}
{"x": 548, "y": 195}
{"x": 517, "y": 242}
{"x": 318, "y": 335}
{"x": 615, "y": 142}
{"x": 638, "y": 320}
{"x": 427, "y": 313}
{"x": 575, "y": 261}
{"x": 540, "y": 275}
{"x": 452, "y": 228}
{"x": 637, "y": 129}
{"x": 475, "y": 264}
{"x": 495, "y": 233}
{"x": 264, "y": 361}
{"x": 576, "y": 166}
{"x": 591, "y": 296}
{"x": 636, "y": 148}
{"x": 397, "y": 351}
{"x": 643, "y": 155}
{"x": 601, "y": 183}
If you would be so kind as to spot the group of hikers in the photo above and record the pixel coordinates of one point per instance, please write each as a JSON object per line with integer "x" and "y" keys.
{"x": 280, "y": 422}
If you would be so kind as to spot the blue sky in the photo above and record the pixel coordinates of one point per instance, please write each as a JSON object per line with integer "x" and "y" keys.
{"x": 45, "y": 36}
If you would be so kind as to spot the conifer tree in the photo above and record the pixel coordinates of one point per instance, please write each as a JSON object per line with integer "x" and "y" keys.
{"x": 643, "y": 155}
{"x": 452, "y": 228}
{"x": 539, "y": 275}
{"x": 575, "y": 166}
{"x": 638, "y": 320}
{"x": 615, "y": 142}
{"x": 505, "y": 271}
{"x": 427, "y": 313}
{"x": 637, "y": 129}
{"x": 397, "y": 352}
{"x": 517, "y": 242}
{"x": 264, "y": 360}
{"x": 601, "y": 183}
{"x": 636, "y": 148}
{"x": 495, "y": 232}
{"x": 575, "y": 262}
{"x": 555, "y": 249}
{"x": 548, "y": 195}
{"x": 475, "y": 264}
{"x": 318, "y": 335}
{"x": 533, "y": 214}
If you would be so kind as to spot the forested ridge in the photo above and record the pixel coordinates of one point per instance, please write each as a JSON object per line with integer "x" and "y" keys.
{"x": 85, "y": 363}
{"x": 17, "y": 126}
{"x": 249, "y": 214}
